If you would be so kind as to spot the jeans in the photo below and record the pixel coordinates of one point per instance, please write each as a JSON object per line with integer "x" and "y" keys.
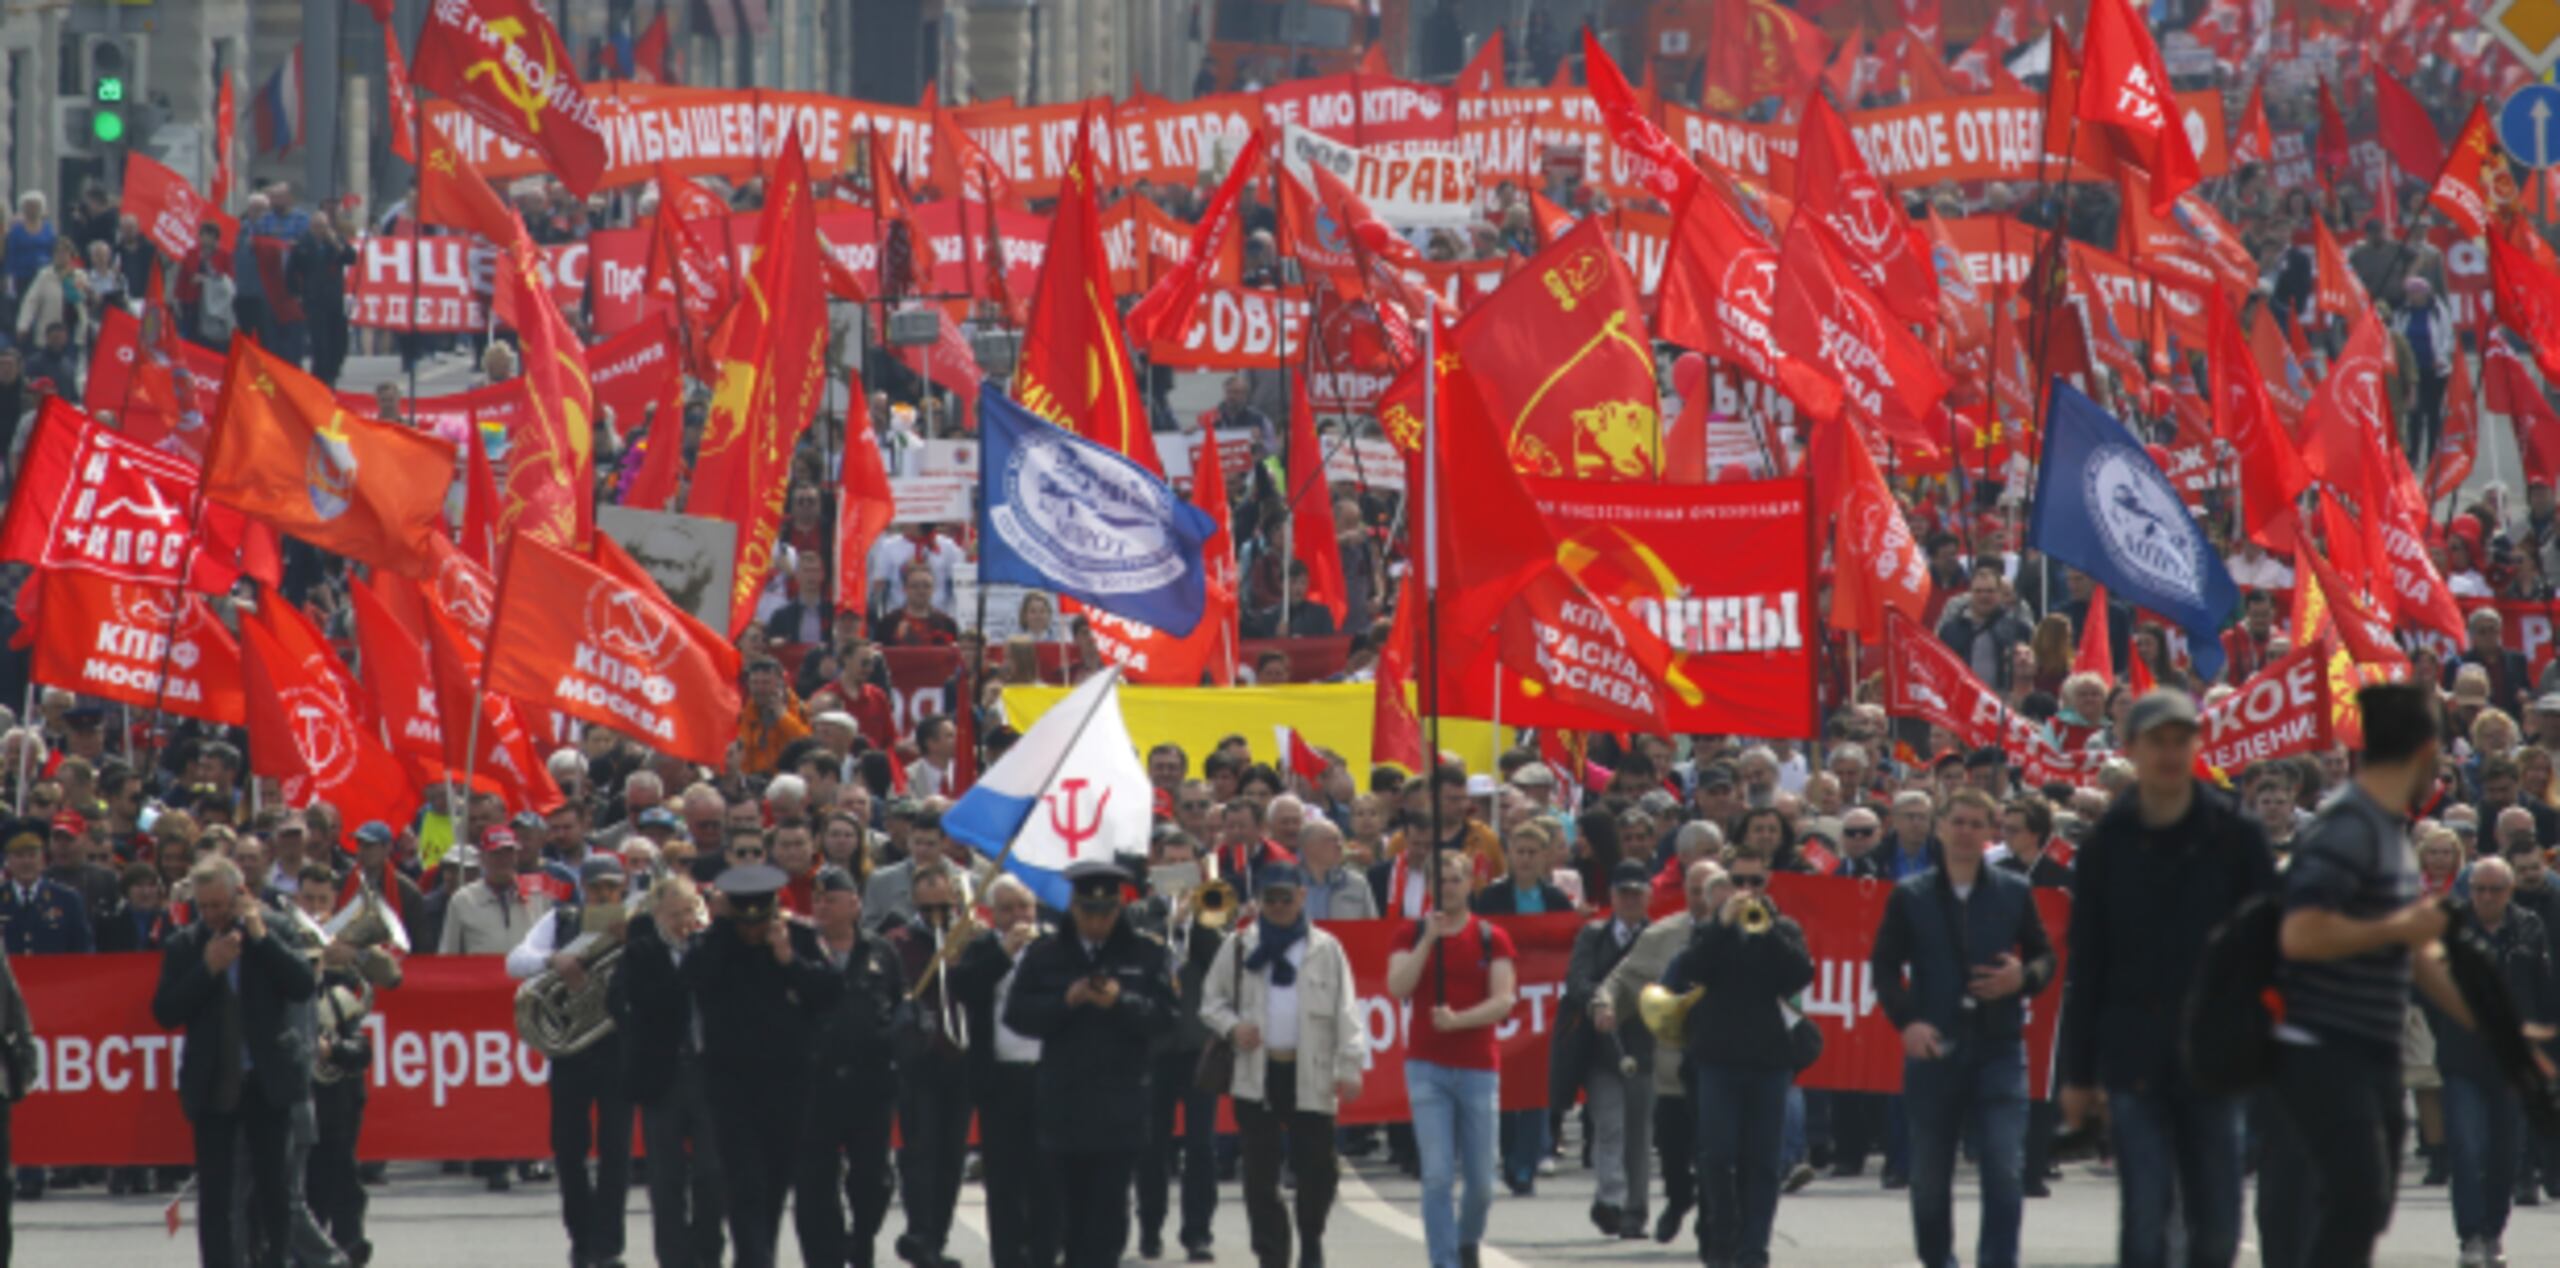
{"x": 1791, "y": 1133}
{"x": 2333, "y": 1158}
{"x": 1981, "y": 1091}
{"x": 2484, "y": 1129}
{"x": 2176, "y": 1148}
{"x": 1524, "y": 1142}
{"x": 1741, "y": 1115}
{"x": 1191, "y": 1154}
{"x": 1453, "y": 1116}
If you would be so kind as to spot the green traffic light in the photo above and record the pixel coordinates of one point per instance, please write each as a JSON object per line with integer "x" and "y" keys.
{"x": 107, "y": 126}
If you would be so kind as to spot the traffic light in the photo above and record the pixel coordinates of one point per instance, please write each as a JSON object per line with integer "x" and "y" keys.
{"x": 109, "y": 89}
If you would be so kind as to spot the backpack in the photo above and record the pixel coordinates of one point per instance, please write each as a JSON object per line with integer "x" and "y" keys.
{"x": 2227, "y": 1038}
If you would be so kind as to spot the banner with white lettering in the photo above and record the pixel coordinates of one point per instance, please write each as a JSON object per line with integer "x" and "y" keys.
{"x": 1403, "y": 189}
{"x": 2280, "y": 711}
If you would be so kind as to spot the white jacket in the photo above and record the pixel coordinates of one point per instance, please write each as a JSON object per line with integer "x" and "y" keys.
{"x": 1332, "y": 1044}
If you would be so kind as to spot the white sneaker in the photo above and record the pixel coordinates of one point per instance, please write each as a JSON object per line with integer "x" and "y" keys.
{"x": 1546, "y": 1166}
{"x": 2475, "y": 1254}
{"x": 2495, "y": 1248}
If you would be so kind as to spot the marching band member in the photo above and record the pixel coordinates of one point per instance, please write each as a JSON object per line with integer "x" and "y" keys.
{"x": 845, "y": 1159}
{"x": 933, "y": 1086}
{"x": 349, "y": 975}
{"x": 588, "y": 1081}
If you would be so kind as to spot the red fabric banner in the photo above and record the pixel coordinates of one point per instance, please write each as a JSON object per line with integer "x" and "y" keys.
{"x": 451, "y": 1079}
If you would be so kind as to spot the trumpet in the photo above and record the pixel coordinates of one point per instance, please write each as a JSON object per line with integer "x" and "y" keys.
{"x": 1214, "y": 904}
{"x": 951, "y": 938}
{"x": 1757, "y": 916}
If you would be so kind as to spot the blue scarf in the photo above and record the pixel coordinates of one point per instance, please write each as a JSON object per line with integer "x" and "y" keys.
{"x": 1273, "y": 952}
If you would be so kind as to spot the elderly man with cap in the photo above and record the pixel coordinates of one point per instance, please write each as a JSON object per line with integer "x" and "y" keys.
{"x": 1281, "y": 991}
{"x": 1621, "y": 1091}
{"x": 588, "y": 1106}
{"x": 1095, "y": 997}
{"x": 844, "y": 1161}
{"x": 374, "y": 874}
{"x": 762, "y": 986}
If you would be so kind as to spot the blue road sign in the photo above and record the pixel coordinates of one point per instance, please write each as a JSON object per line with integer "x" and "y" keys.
{"x": 2529, "y": 125}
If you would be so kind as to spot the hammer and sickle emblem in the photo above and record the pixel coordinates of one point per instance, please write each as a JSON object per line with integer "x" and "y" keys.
{"x": 521, "y": 95}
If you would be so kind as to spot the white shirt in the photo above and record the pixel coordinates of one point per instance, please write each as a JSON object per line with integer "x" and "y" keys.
{"x": 2265, "y": 572}
{"x": 924, "y": 779}
{"x": 1280, "y": 1018}
{"x": 1417, "y": 896}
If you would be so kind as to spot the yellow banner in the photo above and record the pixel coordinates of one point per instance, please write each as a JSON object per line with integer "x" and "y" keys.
{"x": 1333, "y": 716}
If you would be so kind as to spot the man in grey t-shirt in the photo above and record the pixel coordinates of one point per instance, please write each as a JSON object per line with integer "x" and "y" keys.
{"x": 2356, "y": 934}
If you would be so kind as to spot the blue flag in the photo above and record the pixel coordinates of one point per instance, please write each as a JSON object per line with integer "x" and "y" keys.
{"x": 2104, "y": 507}
{"x": 1059, "y": 512}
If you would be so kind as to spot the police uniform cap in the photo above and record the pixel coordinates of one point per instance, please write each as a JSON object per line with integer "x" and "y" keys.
{"x": 25, "y": 833}
{"x": 751, "y": 886}
{"x": 836, "y": 880}
{"x": 1096, "y": 882}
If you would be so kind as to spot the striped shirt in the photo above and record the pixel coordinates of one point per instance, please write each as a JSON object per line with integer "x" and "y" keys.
{"x": 2354, "y": 859}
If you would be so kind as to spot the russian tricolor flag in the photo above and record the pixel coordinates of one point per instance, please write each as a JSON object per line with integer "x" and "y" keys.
{"x": 277, "y": 115}
{"x": 1069, "y": 791}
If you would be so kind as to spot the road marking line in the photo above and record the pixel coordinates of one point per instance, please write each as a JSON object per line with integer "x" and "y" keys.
{"x": 1353, "y": 1194}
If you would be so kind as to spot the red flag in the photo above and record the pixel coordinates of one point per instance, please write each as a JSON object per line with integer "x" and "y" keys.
{"x": 650, "y": 63}
{"x": 772, "y": 372}
{"x": 2512, "y": 392}
{"x": 284, "y": 452}
{"x": 152, "y": 647}
{"x": 225, "y": 127}
{"x": 503, "y": 61}
{"x": 574, "y": 636}
{"x": 1373, "y": 60}
{"x": 1297, "y": 756}
{"x": 2096, "y": 654}
{"x": 479, "y": 503}
{"x": 2338, "y": 292}
{"x": 309, "y": 727}
{"x": 1310, "y": 501}
{"x": 2460, "y": 447}
{"x": 661, "y": 453}
{"x": 397, "y": 677}
{"x": 865, "y": 506}
{"x": 2124, "y": 86}
{"x": 1483, "y": 73}
{"x": 953, "y": 364}
{"x": 1719, "y": 291}
{"x": 1165, "y": 311}
{"x": 2408, "y": 135}
{"x": 1074, "y": 368}
{"x": 550, "y": 491}
{"x": 1562, "y": 363}
{"x": 1395, "y": 732}
{"x": 2330, "y": 147}
{"x": 2138, "y": 678}
{"x": 91, "y": 499}
{"x": 452, "y": 192}
{"x": 1659, "y": 165}
{"x": 2271, "y": 474}
{"x": 894, "y": 213}
{"x": 1837, "y": 343}
{"x": 2255, "y": 141}
{"x": 1862, "y": 217}
{"x": 401, "y": 103}
{"x": 2528, "y": 295}
{"x": 500, "y": 756}
{"x": 1879, "y": 566}
{"x": 2463, "y": 188}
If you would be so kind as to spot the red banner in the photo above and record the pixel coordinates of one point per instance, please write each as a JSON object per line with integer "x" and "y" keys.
{"x": 704, "y": 132}
{"x": 2280, "y": 711}
{"x": 170, "y": 210}
{"x": 444, "y": 282}
{"x": 450, "y": 1078}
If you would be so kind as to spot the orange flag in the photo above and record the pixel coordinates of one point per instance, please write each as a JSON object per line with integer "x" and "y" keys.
{"x": 284, "y": 452}
{"x": 772, "y": 371}
{"x": 1074, "y": 368}
{"x": 2337, "y": 291}
{"x": 500, "y": 757}
{"x": 573, "y": 636}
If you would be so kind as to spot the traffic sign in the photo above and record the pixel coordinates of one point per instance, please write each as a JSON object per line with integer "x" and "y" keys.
{"x": 2529, "y": 28}
{"x": 2529, "y": 125}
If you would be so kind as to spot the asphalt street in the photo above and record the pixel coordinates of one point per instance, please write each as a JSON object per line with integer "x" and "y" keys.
{"x": 432, "y": 1220}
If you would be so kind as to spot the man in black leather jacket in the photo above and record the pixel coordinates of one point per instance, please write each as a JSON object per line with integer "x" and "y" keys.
{"x": 844, "y": 1161}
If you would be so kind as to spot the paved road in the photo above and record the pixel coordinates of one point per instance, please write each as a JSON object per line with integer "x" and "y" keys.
{"x": 426, "y": 1219}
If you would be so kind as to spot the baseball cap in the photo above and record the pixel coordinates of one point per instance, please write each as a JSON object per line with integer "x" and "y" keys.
{"x": 606, "y": 868}
{"x": 374, "y": 832}
{"x": 2159, "y": 708}
{"x": 498, "y": 839}
{"x": 71, "y": 821}
{"x": 659, "y": 817}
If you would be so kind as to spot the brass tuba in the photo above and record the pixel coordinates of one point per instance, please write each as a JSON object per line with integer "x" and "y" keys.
{"x": 1666, "y": 1014}
{"x": 558, "y": 1020}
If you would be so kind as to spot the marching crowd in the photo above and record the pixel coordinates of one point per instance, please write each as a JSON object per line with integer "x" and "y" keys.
{"x": 767, "y": 970}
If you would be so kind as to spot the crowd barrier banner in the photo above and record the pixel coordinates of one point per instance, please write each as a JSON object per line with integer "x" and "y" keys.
{"x": 450, "y": 1079}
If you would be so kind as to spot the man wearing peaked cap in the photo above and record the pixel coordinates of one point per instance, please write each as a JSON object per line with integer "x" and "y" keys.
{"x": 38, "y": 916}
{"x": 1095, "y": 997}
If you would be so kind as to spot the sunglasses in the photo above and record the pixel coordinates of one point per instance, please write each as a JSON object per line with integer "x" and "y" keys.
{"x": 746, "y": 854}
{"x": 1752, "y": 882}
{"x": 1857, "y": 832}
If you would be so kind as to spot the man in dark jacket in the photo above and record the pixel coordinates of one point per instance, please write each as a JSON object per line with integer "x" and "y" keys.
{"x": 761, "y": 984}
{"x": 1984, "y": 629}
{"x": 2536, "y": 892}
{"x": 318, "y": 271}
{"x": 2484, "y": 1125}
{"x": 1738, "y": 1061}
{"x": 1095, "y": 997}
{"x": 2168, "y": 862}
{"x": 1975, "y": 950}
{"x": 231, "y": 983}
{"x": 844, "y": 1164}
{"x": 1192, "y": 1158}
{"x": 663, "y": 1075}
{"x": 2026, "y": 827}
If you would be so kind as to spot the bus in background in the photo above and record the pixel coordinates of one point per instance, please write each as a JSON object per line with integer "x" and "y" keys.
{"x": 1262, "y": 42}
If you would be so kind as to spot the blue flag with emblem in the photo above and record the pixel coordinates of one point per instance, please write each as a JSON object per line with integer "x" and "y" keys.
{"x": 1059, "y": 512}
{"x": 2104, "y": 507}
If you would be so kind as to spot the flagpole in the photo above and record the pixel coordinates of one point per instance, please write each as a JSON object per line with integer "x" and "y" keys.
{"x": 26, "y": 722}
{"x": 1050, "y": 779}
{"x": 1431, "y": 608}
